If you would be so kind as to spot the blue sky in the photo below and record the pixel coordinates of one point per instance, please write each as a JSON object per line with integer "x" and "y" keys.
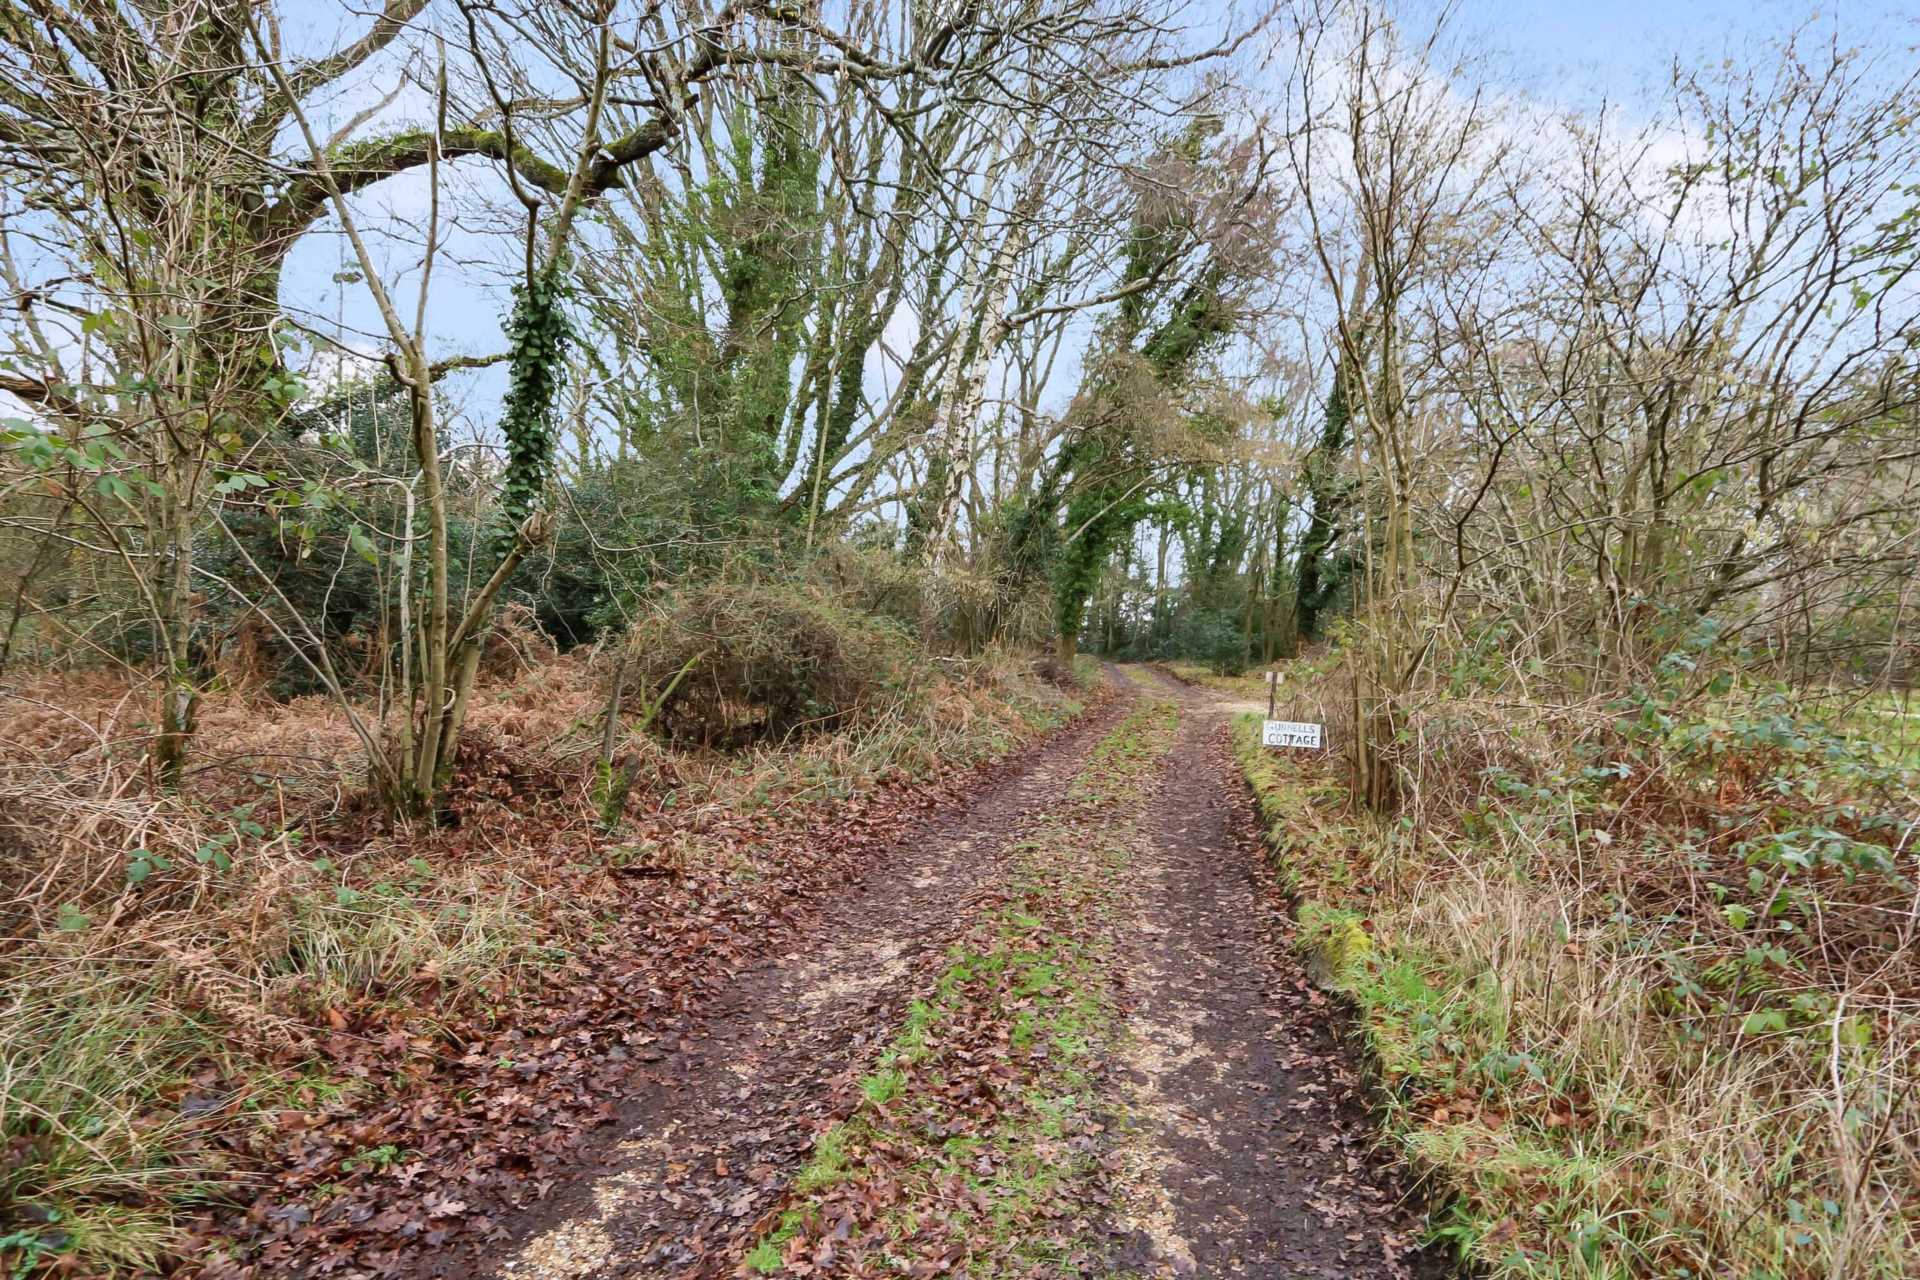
{"x": 1579, "y": 52}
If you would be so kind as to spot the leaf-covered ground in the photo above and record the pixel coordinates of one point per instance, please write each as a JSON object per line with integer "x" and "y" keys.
{"x": 410, "y": 1145}
{"x": 1058, "y": 1031}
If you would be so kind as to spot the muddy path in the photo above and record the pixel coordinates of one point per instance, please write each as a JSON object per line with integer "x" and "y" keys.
{"x": 706, "y": 1142}
{"x": 1240, "y": 1142}
{"x": 1250, "y": 1149}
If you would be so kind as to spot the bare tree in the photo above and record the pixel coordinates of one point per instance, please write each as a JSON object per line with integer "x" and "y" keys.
{"x": 1394, "y": 150}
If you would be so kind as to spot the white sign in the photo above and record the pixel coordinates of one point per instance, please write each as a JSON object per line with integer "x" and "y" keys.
{"x": 1290, "y": 733}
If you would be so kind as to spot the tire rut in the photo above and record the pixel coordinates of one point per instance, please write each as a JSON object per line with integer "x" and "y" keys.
{"x": 716, "y": 1130}
{"x": 1251, "y": 1149}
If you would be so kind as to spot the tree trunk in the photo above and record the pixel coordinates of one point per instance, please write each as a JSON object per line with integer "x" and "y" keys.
{"x": 179, "y": 694}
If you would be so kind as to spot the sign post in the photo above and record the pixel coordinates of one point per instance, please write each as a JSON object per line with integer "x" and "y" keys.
{"x": 1285, "y": 733}
{"x": 1290, "y": 733}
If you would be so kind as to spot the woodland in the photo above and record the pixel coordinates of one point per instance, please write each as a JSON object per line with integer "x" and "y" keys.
{"x": 517, "y": 516}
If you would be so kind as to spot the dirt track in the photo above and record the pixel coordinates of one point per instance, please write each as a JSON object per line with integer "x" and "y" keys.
{"x": 1254, "y": 1145}
{"x": 1240, "y": 1145}
{"x": 714, "y": 1133}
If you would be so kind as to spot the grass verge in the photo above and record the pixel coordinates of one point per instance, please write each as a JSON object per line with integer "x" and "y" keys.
{"x": 1623, "y": 1033}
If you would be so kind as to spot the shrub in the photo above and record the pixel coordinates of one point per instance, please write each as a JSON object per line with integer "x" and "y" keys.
{"x": 872, "y": 579}
{"x": 1213, "y": 637}
{"x": 765, "y": 662}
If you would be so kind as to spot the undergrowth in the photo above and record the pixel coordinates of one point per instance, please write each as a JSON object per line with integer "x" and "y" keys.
{"x": 1639, "y": 977}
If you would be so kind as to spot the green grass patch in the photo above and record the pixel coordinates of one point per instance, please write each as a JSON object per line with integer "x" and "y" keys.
{"x": 104, "y": 1140}
{"x": 975, "y": 1130}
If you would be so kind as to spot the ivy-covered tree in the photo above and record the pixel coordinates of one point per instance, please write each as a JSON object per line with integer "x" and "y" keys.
{"x": 1322, "y": 572}
{"x": 1132, "y": 428}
